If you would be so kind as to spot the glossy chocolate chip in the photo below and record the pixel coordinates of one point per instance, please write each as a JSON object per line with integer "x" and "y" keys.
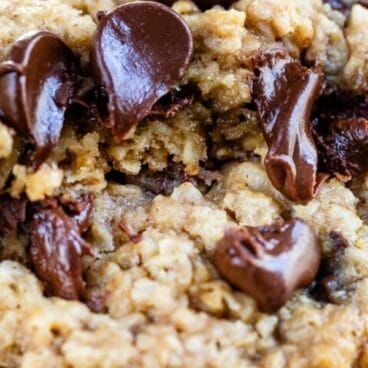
{"x": 36, "y": 83}
{"x": 140, "y": 51}
{"x": 269, "y": 262}
{"x": 55, "y": 251}
{"x": 204, "y": 4}
{"x": 285, "y": 92}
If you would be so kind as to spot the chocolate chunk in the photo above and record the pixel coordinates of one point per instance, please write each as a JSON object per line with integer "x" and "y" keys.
{"x": 269, "y": 262}
{"x": 165, "y": 181}
{"x": 160, "y": 182}
{"x": 80, "y": 210}
{"x": 36, "y": 84}
{"x": 55, "y": 251}
{"x": 12, "y": 212}
{"x": 341, "y": 134}
{"x": 284, "y": 92}
{"x": 140, "y": 51}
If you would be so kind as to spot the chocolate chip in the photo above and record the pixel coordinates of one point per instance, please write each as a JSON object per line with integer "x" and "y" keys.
{"x": 284, "y": 92}
{"x": 160, "y": 182}
{"x": 12, "y": 212}
{"x": 204, "y": 4}
{"x": 165, "y": 181}
{"x": 80, "y": 210}
{"x": 36, "y": 84}
{"x": 269, "y": 262}
{"x": 55, "y": 251}
{"x": 140, "y": 51}
{"x": 341, "y": 135}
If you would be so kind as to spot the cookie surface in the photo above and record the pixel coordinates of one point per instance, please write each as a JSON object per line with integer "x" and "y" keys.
{"x": 228, "y": 227}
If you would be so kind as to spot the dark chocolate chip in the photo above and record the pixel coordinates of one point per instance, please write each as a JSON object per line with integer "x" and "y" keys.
{"x": 269, "y": 262}
{"x": 165, "y": 181}
{"x": 36, "y": 84}
{"x": 284, "y": 92}
{"x": 55, "y": 251}
{"x": 12, "y": 212}
{"x": 160, "y": 182}
{"x": 140, "y": 51}
{"x": 204, "y": 4}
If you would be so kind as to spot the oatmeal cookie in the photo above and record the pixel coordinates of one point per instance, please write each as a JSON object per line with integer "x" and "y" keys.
{"x": 183, "y": 183}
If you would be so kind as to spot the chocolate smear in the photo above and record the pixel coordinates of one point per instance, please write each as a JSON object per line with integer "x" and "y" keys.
{"x": 55, "y": 251}
{"x": 36, "y": 83}
{"x": 269, "y": 262}
{"x": 140, "y": 52}
{"x": 284, "y": 93}
{"x": 80, "y": 210}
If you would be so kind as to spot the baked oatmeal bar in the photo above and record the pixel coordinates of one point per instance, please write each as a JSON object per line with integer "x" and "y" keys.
{"x": 183, "y": 184}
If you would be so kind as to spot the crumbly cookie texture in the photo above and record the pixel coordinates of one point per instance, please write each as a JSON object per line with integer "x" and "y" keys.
{"x": 354, "y": 73}
{"x": 22, "y": 16}
{"x": 163, "y": 302}
{"x": 166, "y": 305}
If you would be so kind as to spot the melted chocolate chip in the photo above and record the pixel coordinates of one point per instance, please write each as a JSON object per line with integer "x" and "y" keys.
{"x": 80, "y": 211}
{"x": 55, "y": 251}
{"x": 36, "y": 84}
{"x": 284, "y": 92}
{"x": 12, "y": 212}
{"x": 341, "y": 134}
{"x": 141, "y": 51}
{"x": 204, "y": 4}
{"x": 269, "y": 262}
